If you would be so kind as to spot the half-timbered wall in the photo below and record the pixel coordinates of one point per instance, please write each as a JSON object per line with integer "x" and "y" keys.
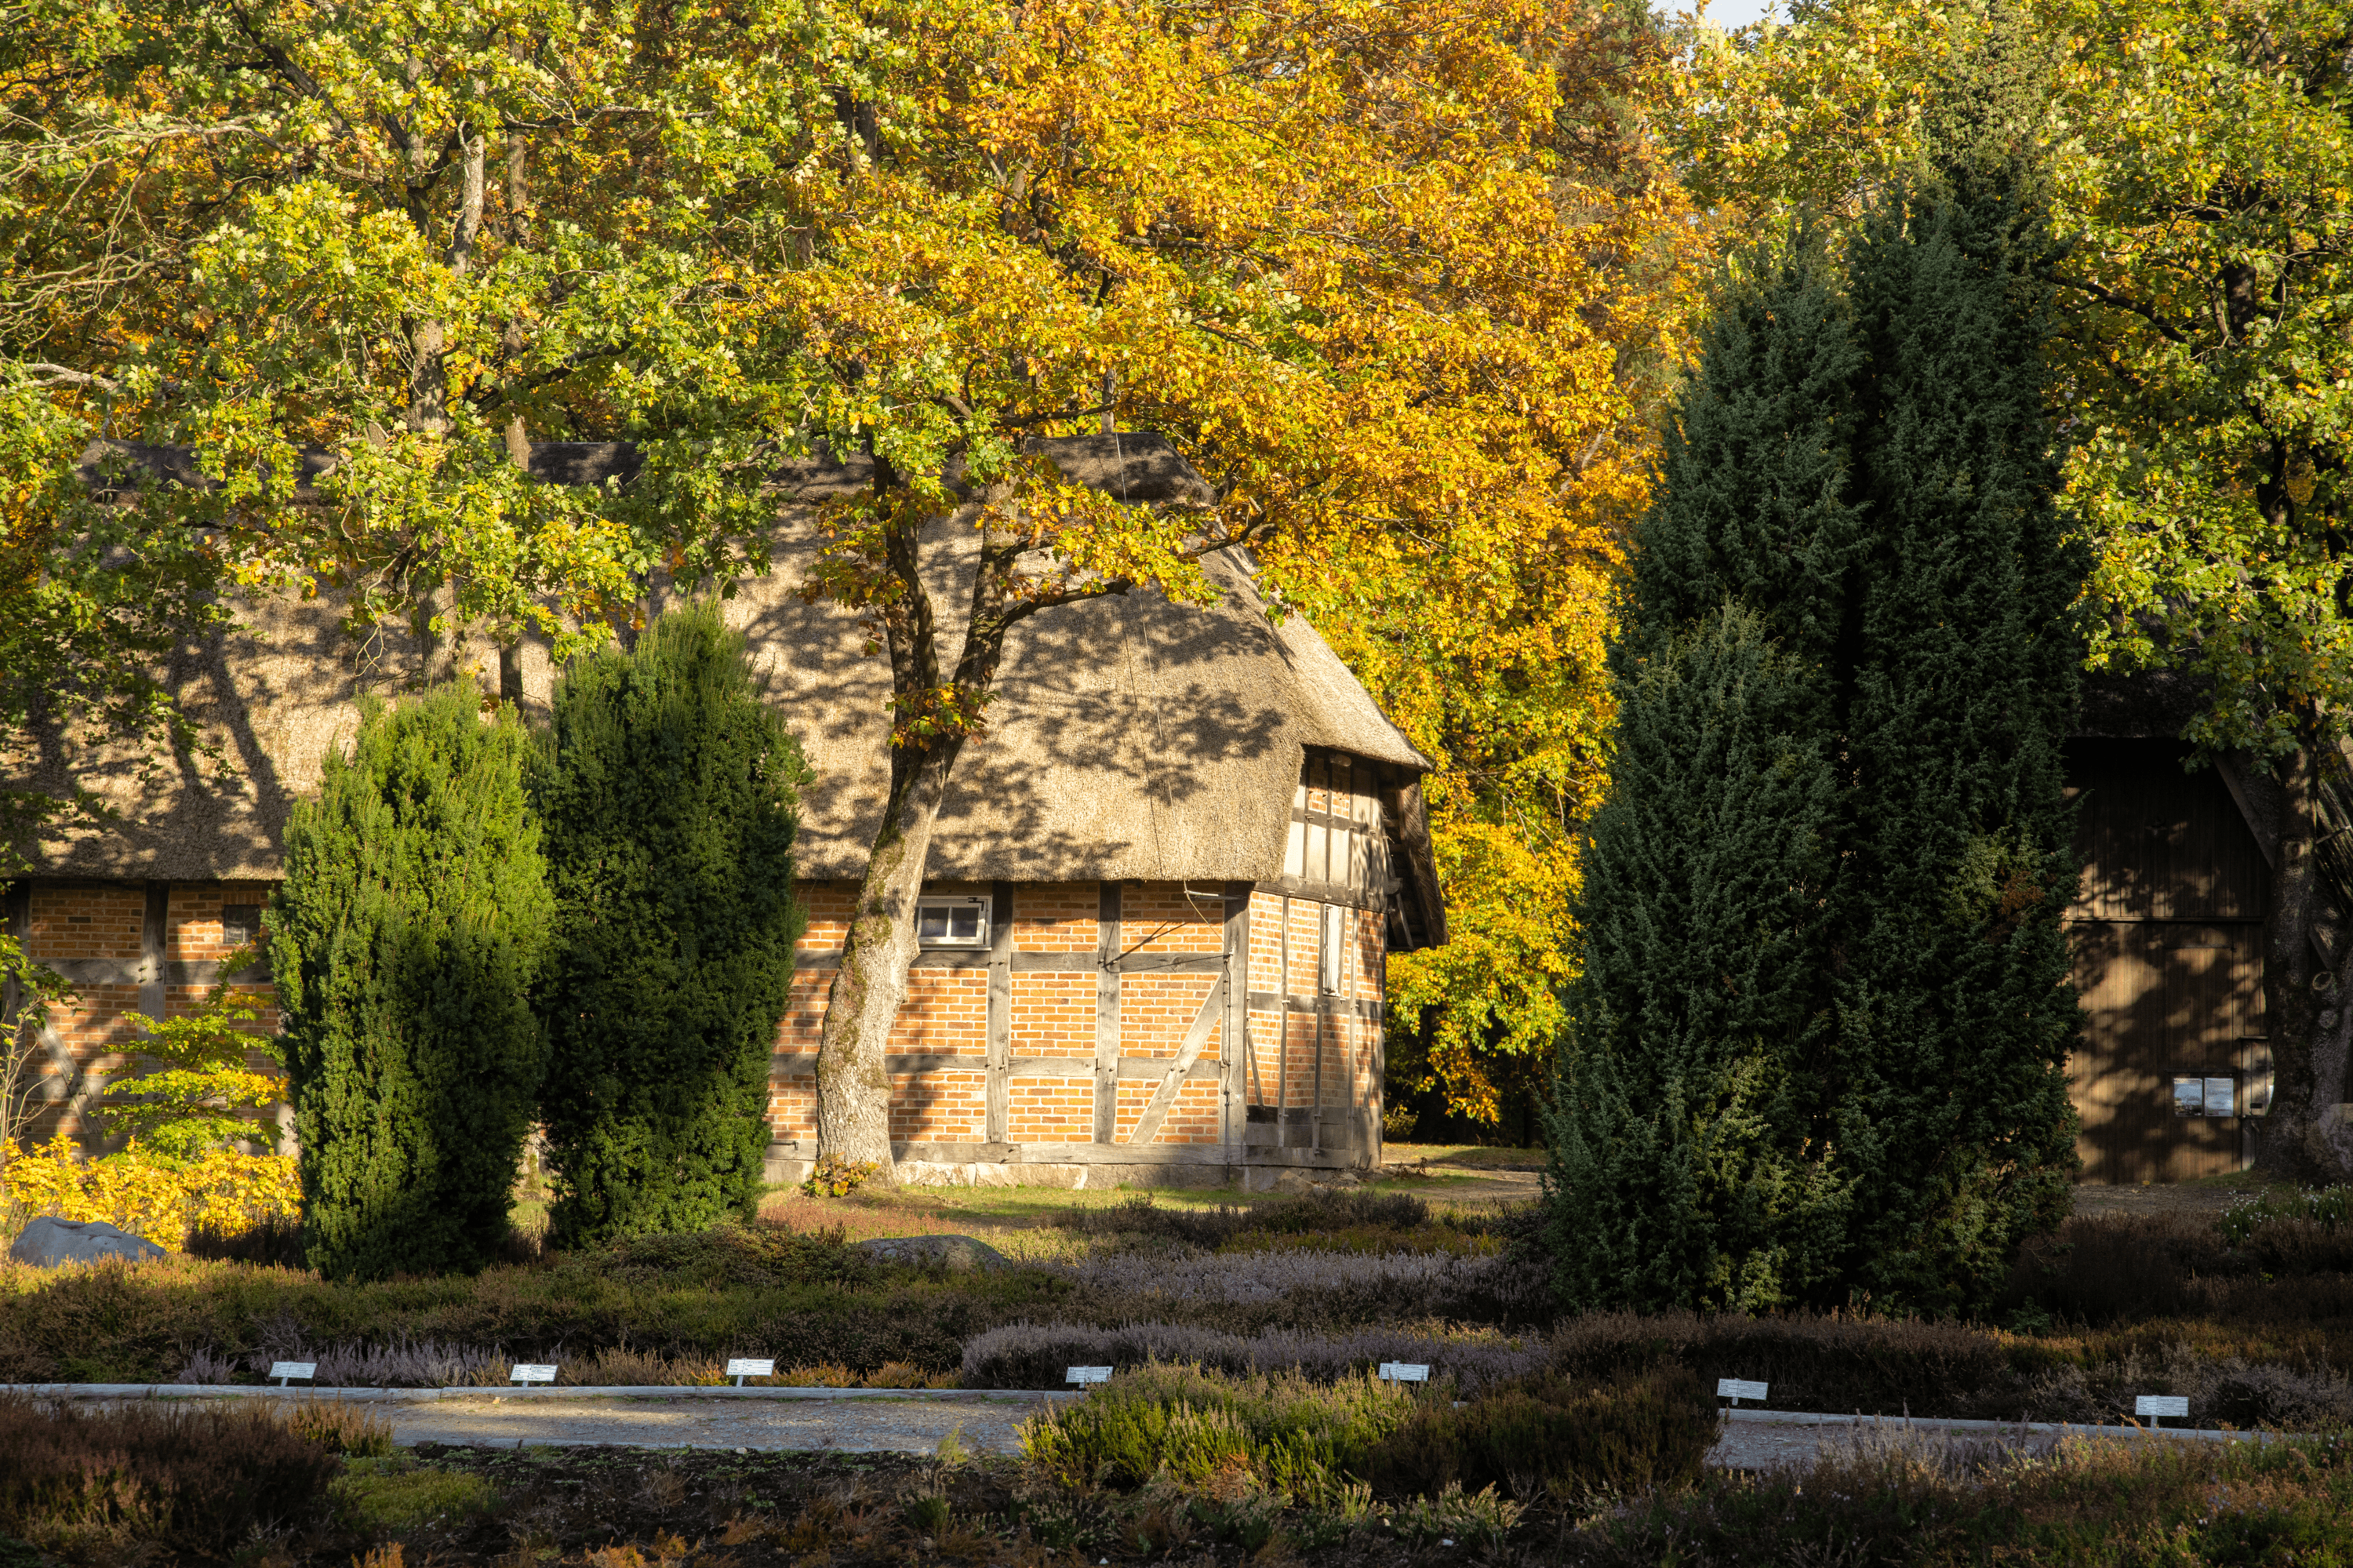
{"x": 2166, "y": 930}
{"x": 1205, "y": 1026}
{"x": 1098, "y": 1015}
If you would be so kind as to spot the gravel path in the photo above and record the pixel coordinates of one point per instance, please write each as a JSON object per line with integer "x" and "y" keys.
{"x": 1751, "y": 1442}
{"x": 983, "y": 1422}
{"x": 846, "y": 1425}
{"x": 2173, "y": 1198}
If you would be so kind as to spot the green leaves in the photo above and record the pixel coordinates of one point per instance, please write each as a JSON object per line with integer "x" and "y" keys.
{"x": 187, "y": 1105}
{"x": 2200, "y": 164}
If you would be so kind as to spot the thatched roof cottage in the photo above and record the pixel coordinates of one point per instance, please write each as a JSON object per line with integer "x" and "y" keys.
{"x": 1162, "y": 892}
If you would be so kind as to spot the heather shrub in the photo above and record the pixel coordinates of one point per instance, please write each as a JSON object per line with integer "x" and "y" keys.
{"x": 1316, "y": 1288}
{"x": 1545, "y": 1432}
{"x": 338, "y": 1426}
{"x": 119, "y": 1484}
{"x": 1289, "y": 1434}
{"x": 275, "y": 1240}
{"x": 2300, "y": 1246}
{"x": 1893, "y": 1496}
{"x": 1402, "y": 1278}
{"x": 733, "y": 1254}
{"x": 1213, "y": 1228}
{"x": 1898, "y": 1367}
{"x": 2115, "y": 1267}
{"x": 1878, "y": 1366}
{"x": 2106, "y": 1269}
{"x": 1027, "y": 1355}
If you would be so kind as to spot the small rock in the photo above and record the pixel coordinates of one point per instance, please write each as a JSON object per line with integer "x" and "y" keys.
{"x": 49, "y": 1240}
{"x": 954, "y": 1252}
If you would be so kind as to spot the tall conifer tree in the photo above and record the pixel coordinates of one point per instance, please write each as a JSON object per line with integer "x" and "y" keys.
{"x": 413, "y": 918}
{"x": 1955, "y": 1013}
{"x": 668, "y": 790}
{"x": 1684, "y": 1132}
{"x": 1868, "y": 472}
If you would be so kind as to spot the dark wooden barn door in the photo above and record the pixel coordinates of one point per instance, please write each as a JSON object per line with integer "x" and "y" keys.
{"x": 2167, "y": 937}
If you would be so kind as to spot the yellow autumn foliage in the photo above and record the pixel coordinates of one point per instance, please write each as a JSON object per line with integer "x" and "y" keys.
{"x": 159, "y": 1199}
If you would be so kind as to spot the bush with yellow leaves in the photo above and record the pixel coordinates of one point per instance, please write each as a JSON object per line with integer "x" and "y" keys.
{"x": 147, "y": 1195}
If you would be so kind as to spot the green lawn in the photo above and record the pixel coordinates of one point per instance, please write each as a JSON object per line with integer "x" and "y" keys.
{"x": 1466, "y": 1156}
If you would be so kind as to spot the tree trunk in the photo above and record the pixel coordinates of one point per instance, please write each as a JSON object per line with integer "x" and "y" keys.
{"x": 429, "y": 376}
{"x": 853, "y": 1076}
{"x": 2304, "y": 1136}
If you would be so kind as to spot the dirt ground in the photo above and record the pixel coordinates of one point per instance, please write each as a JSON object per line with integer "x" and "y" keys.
{"x": 2208, "y": 1196}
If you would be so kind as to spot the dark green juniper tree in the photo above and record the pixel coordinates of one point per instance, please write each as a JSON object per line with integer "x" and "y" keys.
{"x": 668, "y": 790}
{"x": 1685, "y": 1138}
{"x": 1845, "y": 1051}
{"x": 405, "y": 940}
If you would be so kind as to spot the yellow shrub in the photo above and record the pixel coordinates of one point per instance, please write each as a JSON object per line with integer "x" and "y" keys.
{"x": 159, "y": 1199}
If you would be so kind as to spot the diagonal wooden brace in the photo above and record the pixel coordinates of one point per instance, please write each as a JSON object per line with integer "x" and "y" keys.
{"x": 1147, "y": 1126}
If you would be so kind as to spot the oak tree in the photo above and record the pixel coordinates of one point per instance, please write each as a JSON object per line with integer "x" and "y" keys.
{"x": 368, "y": 260}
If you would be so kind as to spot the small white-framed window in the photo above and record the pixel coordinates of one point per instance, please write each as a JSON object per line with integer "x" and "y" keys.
{"x": 952, "y": 922}
{"x": 1333, "y": 941}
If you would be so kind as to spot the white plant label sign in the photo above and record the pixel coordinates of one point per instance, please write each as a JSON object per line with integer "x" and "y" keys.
{"x": 1738, "y": 1389}
{"x": 1086, "y": 1374}
{"x": 1405, "y": 1371}
{"x": 2160, "y": 1405}
{"x": 531, "y": 1372}
{"x": 741, "y": 1369}
{"x": 282, "y": 1370}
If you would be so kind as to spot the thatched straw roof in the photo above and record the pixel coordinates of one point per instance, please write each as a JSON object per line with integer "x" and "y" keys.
{"x": 1134, "y": 738}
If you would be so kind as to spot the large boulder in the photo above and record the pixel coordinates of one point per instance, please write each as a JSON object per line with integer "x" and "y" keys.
{"x": 49, "y": 1240}
{"x": 953, "y": 1252}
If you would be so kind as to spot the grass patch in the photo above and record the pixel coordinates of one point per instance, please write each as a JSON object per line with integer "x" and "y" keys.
{"x": 1464, "y": 1156}
{"x": 1287, "y": 1435}
{"x": 391, "y": 1495}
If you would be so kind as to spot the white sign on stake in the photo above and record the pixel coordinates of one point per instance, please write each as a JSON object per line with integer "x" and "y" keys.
{"x": 282, "y": 1371}
{"x": 1405, "y": 1371}
{"x": 2154, "y": 1406}
{"x": 739, "y": 1369}
{"x": 1735, "y": 1390}
{"x": 1086, "y": 1374}
{"x": 531, "y": 1372}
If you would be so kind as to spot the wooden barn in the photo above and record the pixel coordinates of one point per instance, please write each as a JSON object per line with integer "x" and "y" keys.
{"x": 2167, "y": 929}
{"x": 1162, "y": 895}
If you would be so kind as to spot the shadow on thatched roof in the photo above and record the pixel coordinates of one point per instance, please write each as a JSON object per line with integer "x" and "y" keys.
{"x": 1133, "y": 737}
